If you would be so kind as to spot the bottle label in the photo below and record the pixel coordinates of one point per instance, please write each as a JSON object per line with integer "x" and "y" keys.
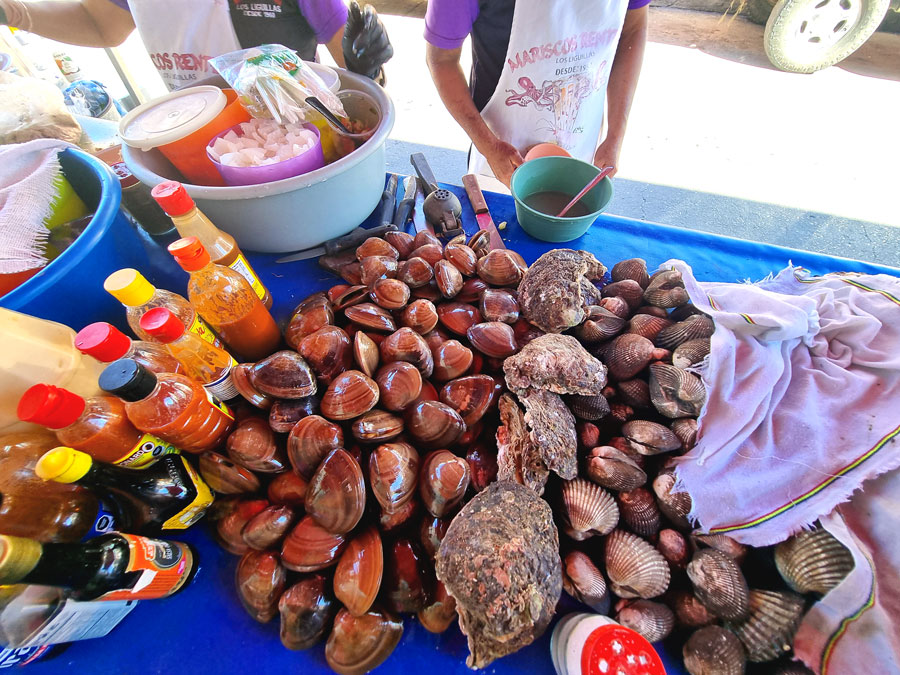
{"x": 199, "y": 328}
{"x": 223, "y": 388}
{"x": 104, "y": 523}
{"x": 164, "y": 567}
{"x": 148, "y": 449}
{"x": 218, "y": 404}
{"x": 81, "y": 621}
{"x": 242, "y": 267}
{"x": 195, "y": 510}
{"x": 21, "y": 656}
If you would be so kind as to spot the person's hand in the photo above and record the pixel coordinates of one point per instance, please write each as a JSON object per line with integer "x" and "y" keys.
{"x": 365, "y": 44}
{"x": 607, "y": 154}
{"x": 503, "y": 160}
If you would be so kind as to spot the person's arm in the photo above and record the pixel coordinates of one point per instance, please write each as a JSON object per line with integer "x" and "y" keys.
{"x": 623, "y": 79}
{"x": 335, "y": 47}
{"x": 450, "y": 81}
{"x": 89, "y": 23}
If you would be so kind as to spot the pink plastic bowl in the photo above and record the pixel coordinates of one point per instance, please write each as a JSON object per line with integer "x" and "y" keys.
{"x": 254, "y": 175}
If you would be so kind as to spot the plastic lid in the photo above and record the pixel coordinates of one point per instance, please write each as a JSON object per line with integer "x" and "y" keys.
{"x": 617, "y": 650}
{"x": 103, "y": 341}
{"x": 127, "y": 379}
{"x": 18, "y": 556}
{"x": 49, "y": 406}
{"x": 162, "y": 324}
{"x": 190, "y": 254}
{"x": 173, "y": 198}
{"x": 172, "y": 117}
{"x": 129, "y": 287}
{"x": 63, "y": 465}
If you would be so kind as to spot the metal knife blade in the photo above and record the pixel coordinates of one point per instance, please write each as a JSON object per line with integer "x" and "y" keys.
{"x": 419, "y": 222}
{"x": 404, "y": 209}
{"x": 388, "y": 197}
{"x": 354, "y": 238}
{"x": 479, "y": 206}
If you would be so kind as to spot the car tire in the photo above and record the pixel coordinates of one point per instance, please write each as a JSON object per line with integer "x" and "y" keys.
{"x": 758, "y": 11}
{"x": 803, "y": 36}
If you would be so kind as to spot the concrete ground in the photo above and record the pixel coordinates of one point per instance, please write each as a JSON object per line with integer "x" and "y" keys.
{"x": 718, "y": 140}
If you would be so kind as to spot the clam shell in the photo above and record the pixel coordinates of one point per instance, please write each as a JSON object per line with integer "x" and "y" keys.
{"x": 420, "y": 315}
{"x": 349, "y": 395}
{"x": 349, "y": 296}
{"x": 351, "y": 273}
{"x": 653, "y": 620}
{"x": 430, "y": 253}
{"x": 306, "y": 609}
{"x": 471, "y": 396}
{"x": 650, "y": 438}
{"x": 400, "y": 383}
{"x": 483, "y": 466}
{"x": 336, "y": 495}
{"x": 311, "y": 439}
{"x": 584, "y": 582}
{"x": 588, "y": 507}
{"x": 472, "y": 290}
{"x": 499, "y": 305}
{"x": 390, "y": 293}
{"x": 635, "y": 393}
{"x": 392, "y": 521}
{"x": 240, "y": 375}
{"x": 480, "y": 242}
{"x": 813, "y": 561}
{"x": 308, "y": 317}
{"x": 690, "y": 353}
{"x": 666, "y": 290}
{"x": 432, "y": 532}
{"x": 635, "y": 569}
{"x": 457, "y": 317}
{"x": 588, "y": 407}
{"x": 493, "y": 338}
{"x": 639, "y": 512}
{"x": 632, "y": 268}
{"x": 424, "y": 238}
{"x": 721, "y": 542}
{"x": 628, "y": 354}
{"x": 689, "y": 611}
{"x": 675, "y": 505}
{"x": 443, "y": 481}
{"x": 415, "y": 272}
{"x": 647, "y": 325}
{"x": 463, "y": 258}
{"x": 501, "y": 267}
{"x": 230, "y": 527}
{"x": 268, "y": 527}
{"x": 616, "y": 305}
{"x": 285, "y": 413}
{"x": 260, "y": 580}
{"x": 439, "y": 614}
{"x": 434, "y": 424}
{"x": 674, "y": 548}
{"x": 360, "y": 644}
{"x": 252, "y": 444}
{"x": 429, "y": 291}
{"x": 370, "y": 316}
{"x": 714, "y": 651}
{"x": 327, "y": 351}
{"x": 407, "y": 345}
{"x": 288, "y": 489}
{"x": 408, "y": 577}
{"x": 402, "y": 241}
{"x": 449, "y": 279}
{"x": 451, "y": 360}
{"x": 365, "y": 353}
{"x": 600, "y": 324}
{"x": 310, "y": 547}
{"x": 376, "y": 246}
{"x": 719, "y": 584}
{"x": 374, "y": 267}
{"x": 393, "y": 472}
{"x": 613, "y": 469}
{"x": 357, "y": 578}
{"x": 694, "y": 327}
{"x": 284, "y": 374}
{"x": 685, "y": 428}
{"x": 627, "y": 289}
{"x": 769, "y": 630}
{"x": 376, "y": 426}
{"x": 676, "y": 392}
{"x": 224, "y": 476}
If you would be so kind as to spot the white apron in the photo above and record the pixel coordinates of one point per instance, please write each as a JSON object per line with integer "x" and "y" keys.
{"x": 553, "y": 86}
{"x": 181, "y": 36}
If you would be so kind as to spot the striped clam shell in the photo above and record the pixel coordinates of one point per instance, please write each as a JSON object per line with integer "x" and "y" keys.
{"x": 683, "y": 312}
{"x": 650, "y": 438}
{"x": 714, "y": 650}
{"x": 633, "y": 268}
{"x": 675, "y": 392}
{"x": 587, "y": 407}
{"x": 653, "y": 620}
{"x": 635, "y": 392}
{"x": 769, "y": 630}
{"x": 692, "y": 328}
{"x": 647, "y": 325}
{"x": 666, "y": 290}
{"x": 689, "y": 611}
{"x": 654, "y": 311}
{"x": 691, "y": 352}
{"x": 627, "y": 289}
{"x": 635, "y": 569}
{"x": 600, "y": 324}
{"x": 584, "y": 582}
{"x": 674, "y": 547}
{"x": 613, "y": 469}
{"x": 813, "y": 561}
{"x": 616, "y": 305}
{"x": 629, "y": 354}
{"x": 721, "y": 542}
{"x": 639, "y": 512}
{"x": 686, "y": 430}
{"x": 675, "y": 505}
{"x": 719, "y": 584}
{"x": 589, "y": 509}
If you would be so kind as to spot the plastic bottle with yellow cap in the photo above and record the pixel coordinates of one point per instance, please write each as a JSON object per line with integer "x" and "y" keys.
{"x": 167, "y": 495}
{"x": 129, "y": 287}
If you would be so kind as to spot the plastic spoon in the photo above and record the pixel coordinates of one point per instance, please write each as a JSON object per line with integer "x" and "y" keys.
{"x": 604, "y": 172}
{"x": 317, "y": 105}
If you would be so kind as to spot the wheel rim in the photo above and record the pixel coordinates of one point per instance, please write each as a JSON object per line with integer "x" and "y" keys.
{"x": 823, "y": 25}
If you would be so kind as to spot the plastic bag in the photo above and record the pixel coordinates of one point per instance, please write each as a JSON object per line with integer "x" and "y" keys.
{"x": 30, "y": 109}
{"x": 274, "y": 83}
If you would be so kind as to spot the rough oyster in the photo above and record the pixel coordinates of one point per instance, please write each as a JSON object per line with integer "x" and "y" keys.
{"x": 552, "y": 428}
{"x": 557, "y": 363}
{"x": 518, "y": 458}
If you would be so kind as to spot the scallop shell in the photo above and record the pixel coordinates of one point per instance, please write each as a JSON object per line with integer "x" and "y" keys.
{"x": 714, "y": 651}
{"x": 675, "y": 505}
{"x": 629, "y": 354}
{"x": 692, "y": 328}
{"x": 613, "y": 469}
{"x": 589, "y": 508}
{"x": 666, "y": 289}
{"x": 651, "y": 619}
{"x": 813, "y": 561}
{"x": 719, "y": 584}
{"x": 584, "y": 582}
{"x": 769, "y": 630}
{"x": 650, "y": 438}
{"x": 685, "y": 428}
{"x": 647, "y": 325}
{"x": 627, "y": 289}
{"x": 635, "y": 393}
{"x": 676, "y": 392}
{"x": 588, "y": 407}
{"x": 634, "y": 269}
{"x": 721, "y": 542}
{"x": 634, "y": 567}
{"x": 639, "y": 511}
{"x": 690, "y": 353}
{"x": 689, "y": 611}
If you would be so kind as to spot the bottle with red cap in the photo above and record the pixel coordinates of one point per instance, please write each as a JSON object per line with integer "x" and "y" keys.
{"x": 593, "y": 644}
{"x": 221, "y": 246}
{"x": 209, "y": 365}
{"x": 226, "y": 302}
{"x": 98, "y": 425}
{"x": 106, "y": 343}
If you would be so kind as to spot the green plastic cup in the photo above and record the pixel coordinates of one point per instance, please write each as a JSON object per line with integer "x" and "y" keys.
{"x": 558, "y": 174}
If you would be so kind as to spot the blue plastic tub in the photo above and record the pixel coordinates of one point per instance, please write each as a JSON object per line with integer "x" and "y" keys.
{"x": 70, "y": 289}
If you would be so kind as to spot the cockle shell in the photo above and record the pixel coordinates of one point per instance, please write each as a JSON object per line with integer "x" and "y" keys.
{"x": 393, "y": 472}
{"x": 634, "y": 567}
{"x": 666, "y": 289}
{"x": 627, "y": 289}
{"x": 714, "y": 651}
{"x": 415, "y": 272}
{"x": 260, "y": 581}
{"x": 692, "y": 328}
{"x": 400, "y": 383}
{"x": 336, "y": 495}
{"x": 769, "y": 630}
{"x": 420, "y": 315}
{"x": 721, "y": 542}
{"x": 639, "y": 512}
{"x": 719, "y": 584}
{"x": 813, "y": 561}
{"x": 407, "y": 345}
{"x": 306, "y": 609}
{"x": 357, "y": 578}
{"x": 360, "y": 644}
{"x": 613, "y": 469}
{"x": 690, "y": 353}
{"x": 676, "y": 392}
{"x": 327, "y": 351}
{"x": 591, "y": 408}
{"x": 647, "y": 325}
{"x": 634, "y": 393}
{"x": 589, "y": 509}
{"x": 616, "y": 305}
{"x": 449, "y": 279}
{"x": 628, "y": 354}
{"x": 371, "y": 317}
{"x": 653, "y": 620}
{"x": 600, "y": 324}
{"x": 311, "y": 439}
{"x": 632, "y": 268}
{"x": 675, "y": 505}
{"x": 402, "y": 241}
{"x": 685, "y": 428}
{"x": 349, "y": 395}
{"x": 654, "y": 311}
{"x": 584, "y": 582}
{"x": 689, "y": 611}
{"x": 650, "y": 438}
{"x": 674, "y": 548}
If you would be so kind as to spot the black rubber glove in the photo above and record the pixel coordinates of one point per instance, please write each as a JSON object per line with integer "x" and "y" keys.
{"x": 365, "y": 45}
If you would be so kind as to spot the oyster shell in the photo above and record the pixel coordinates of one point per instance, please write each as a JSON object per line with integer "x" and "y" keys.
{"x": 813, "y": 561}
{"x": 634, "y": 567}
{"x": 589, "y": 509}
{"x": 584, "y": 582}
{"x": 653, "y": 620}
{"x": 714, "y": 651}
{"x": 676, "y": 392}
{"x": 552, "y": 429}
{"x": 557, "y": 363}
{"x": 551, "y": 294}
{"x": 769, "y": 630}
{"x": 719, "y": 584}
{"x": 518, "y": 458}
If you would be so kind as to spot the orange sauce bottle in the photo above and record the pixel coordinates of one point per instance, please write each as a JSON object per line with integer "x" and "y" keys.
{"x": 106, "y": 343}
{"x": 172, "y": 407}
{"x": 98, "y": 425}
{"x": 226, "y": 302}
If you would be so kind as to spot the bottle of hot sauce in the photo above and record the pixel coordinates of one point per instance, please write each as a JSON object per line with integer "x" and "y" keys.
{"x": 172, "y": 407}
{"x": 221, "y": 246}
{"x": 207, "y": 364}
{"x": 226, "y": 302}
{"x": 106, "y": 343}
{"x": 98, "y": 425}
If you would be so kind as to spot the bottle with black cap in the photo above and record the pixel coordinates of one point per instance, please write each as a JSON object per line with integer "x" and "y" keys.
{"x": 173, "y": 407}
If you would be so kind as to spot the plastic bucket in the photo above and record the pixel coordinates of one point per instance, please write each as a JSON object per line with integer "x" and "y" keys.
{"x": 70, "y": 289}
{"x": 67, "y": 205}
{"x": 558, "y": 174}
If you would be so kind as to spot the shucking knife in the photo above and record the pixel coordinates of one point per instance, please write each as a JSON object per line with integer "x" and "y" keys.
{"x": 405, "y": 208}
{"x": 479, "y": 206}
{"x": 419, "y": 222}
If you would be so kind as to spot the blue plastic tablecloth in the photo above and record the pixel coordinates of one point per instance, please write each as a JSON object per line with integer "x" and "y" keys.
{"x": 204, "y": 629}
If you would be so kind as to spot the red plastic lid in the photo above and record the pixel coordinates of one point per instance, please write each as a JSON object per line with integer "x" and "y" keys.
{"x": 49, "y": 406}
{"x": 173, "y": 198}
{"x": 189, "y": 253}
{"x": 104, "y": 342}
{"x": 162, "y": 324}
{"x": 616, "y": 650}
